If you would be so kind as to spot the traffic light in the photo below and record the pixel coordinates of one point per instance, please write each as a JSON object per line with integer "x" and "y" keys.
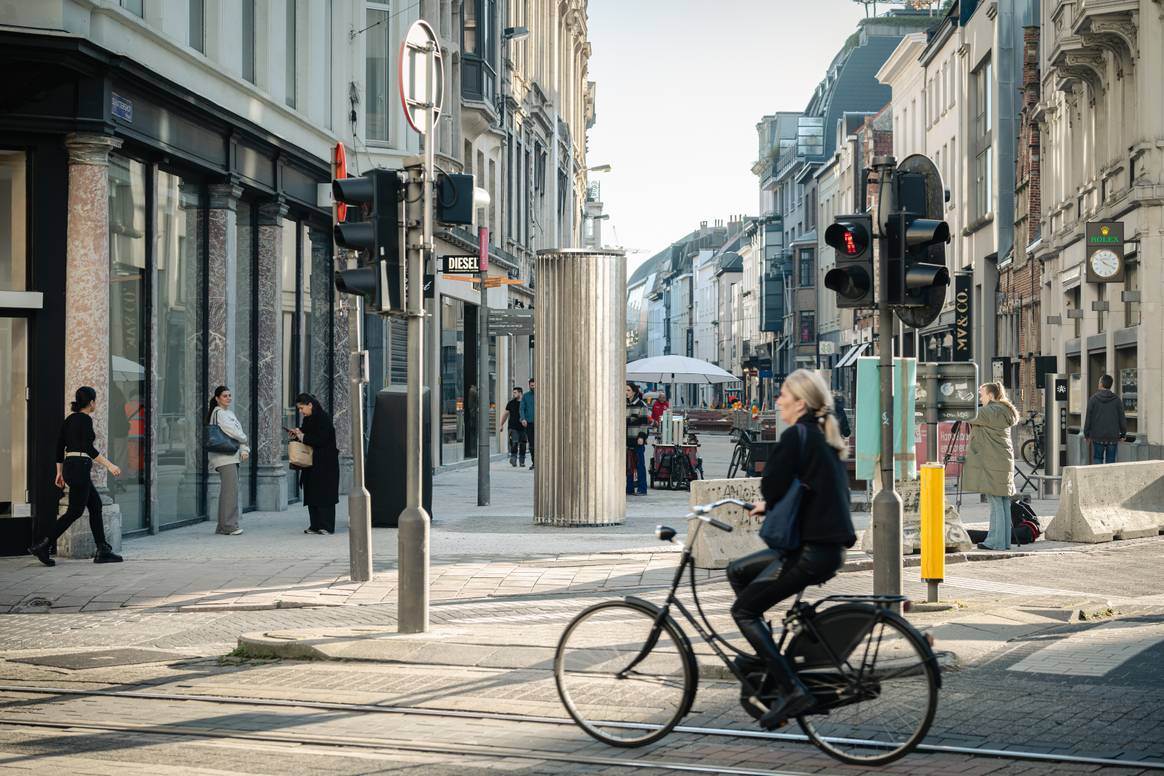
{"x": 454, "y": 198}
{"x": 852, "y": 277}
{"x": 917, "y": 254}
{"x": 373, "y": 227}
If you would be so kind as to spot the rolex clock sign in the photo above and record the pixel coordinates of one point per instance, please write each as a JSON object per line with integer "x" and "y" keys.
{"x": 1105, "y": 251}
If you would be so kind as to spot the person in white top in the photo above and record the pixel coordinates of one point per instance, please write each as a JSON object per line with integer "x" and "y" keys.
{"x": 226, "y": 464}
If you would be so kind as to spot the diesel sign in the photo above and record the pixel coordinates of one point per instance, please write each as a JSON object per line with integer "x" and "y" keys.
{"x": 461, "y": 265}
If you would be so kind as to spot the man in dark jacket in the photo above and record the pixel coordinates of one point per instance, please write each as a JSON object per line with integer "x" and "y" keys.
{"x": 1106, "y": 424}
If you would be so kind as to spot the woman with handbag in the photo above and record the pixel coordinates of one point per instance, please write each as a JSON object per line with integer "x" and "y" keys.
{"x": 320, "y": 480}
{"x": 807, "y": 467}
{"x": 226, "y": 448}
{"x": 989, "y": 467}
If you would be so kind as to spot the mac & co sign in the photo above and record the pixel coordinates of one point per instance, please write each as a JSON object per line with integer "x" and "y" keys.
{"x": 963, "y": 317}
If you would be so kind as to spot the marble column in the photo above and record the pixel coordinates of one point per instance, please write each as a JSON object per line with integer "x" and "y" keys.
{"x": 87, "y": 312}
{"x": 222, "y": 305}
{"x": 337, "y": 326}
{"x": 271, "y": 494}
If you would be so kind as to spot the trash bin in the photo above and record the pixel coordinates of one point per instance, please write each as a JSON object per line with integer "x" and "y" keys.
{"x": 384, "y": 470}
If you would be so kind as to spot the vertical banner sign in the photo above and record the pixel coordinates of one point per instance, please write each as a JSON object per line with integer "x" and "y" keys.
{"x": 483, "y": 248}
{"x": 963, "y": 317}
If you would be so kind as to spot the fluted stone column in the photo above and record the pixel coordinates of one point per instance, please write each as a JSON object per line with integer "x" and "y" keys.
{"x": 222, "y": 304}
{"x": 271, "y": 494}
{"x": 328, "y": 329}
{"x": 87, "y": 313}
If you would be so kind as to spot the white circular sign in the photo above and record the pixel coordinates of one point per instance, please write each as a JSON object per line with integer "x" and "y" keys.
{"x": 419, "y": 88}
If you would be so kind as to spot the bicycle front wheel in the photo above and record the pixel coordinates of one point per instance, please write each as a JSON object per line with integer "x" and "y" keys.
{"x": 881, "y": 706}
{"x": 625, "y": 679}
{"x": 1032, "y": 453}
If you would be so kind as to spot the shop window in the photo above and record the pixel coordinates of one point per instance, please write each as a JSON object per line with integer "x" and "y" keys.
{"x": 244, "y": 384}
{"x": 291, "y": 353}
{"x": 807, "y": 326}
{"x": 1132, "y": 283}
{"x": 377, "y": 56}
{"x": 13, "y": 221}
{"x": 1075, "y": 398}
{"x": 1127, "y": 377}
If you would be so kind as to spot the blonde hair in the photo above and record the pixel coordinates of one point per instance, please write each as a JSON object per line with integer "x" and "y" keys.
{"x": 808, "y": 386}
{"x": 997, "y": 393}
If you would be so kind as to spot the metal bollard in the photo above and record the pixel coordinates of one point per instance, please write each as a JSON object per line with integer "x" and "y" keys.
{"x": 933, "y": 529}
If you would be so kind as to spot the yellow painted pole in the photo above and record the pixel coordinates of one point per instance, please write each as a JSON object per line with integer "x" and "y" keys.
{"x": 933, "y": 533}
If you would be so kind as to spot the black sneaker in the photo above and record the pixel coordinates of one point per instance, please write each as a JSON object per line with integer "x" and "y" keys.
{"x": 513, "y": 462}
{"x": 105, "y": 554}
{"x": 784, "y": 707}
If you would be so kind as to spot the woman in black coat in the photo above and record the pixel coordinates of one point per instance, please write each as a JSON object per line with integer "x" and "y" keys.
{"x": 320, "y": 481}
{"x": 810, "y": 450}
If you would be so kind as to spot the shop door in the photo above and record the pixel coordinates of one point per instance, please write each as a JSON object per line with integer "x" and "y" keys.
{"x": 14, "y": 495}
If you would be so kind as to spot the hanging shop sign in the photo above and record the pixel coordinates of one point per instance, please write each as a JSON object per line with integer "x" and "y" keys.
{"x": 1105, "y": 251}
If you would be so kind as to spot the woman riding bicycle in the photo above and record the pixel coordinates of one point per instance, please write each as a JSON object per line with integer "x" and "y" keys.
{"x": 764, "y": 578}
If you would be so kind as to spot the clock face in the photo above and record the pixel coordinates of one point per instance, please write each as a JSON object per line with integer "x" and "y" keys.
{"x": 1105, "y": 263}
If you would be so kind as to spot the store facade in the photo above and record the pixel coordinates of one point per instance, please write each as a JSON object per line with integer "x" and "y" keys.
{"x": 154, "y": 246}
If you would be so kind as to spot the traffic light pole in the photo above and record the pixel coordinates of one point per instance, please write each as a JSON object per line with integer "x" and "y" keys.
{"x": 413, "y": 531}
{"x": 484, "y": 424}
{"x": 359, "y": 501}
{"x": 887, "y": 561}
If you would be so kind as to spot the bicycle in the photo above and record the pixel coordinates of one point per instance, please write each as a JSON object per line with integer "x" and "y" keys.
{"x": 626, "y": 672}
{"x": 742, "y": 455}
{"x": 1032, "y": 449}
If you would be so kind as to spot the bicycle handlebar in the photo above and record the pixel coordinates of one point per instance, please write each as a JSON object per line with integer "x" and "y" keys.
{"x": 703, "y": 512}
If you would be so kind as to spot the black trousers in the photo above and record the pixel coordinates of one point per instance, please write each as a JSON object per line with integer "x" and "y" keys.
{"x": 322, "y": 518}
{"x": 82, "y": 496}
{"x": 529, "y": 437}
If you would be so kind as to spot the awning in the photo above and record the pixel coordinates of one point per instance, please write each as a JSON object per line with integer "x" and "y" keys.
{"x": 851, "y": 356}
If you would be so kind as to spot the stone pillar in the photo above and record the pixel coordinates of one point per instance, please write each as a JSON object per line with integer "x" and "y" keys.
{"x": 345, "y": 307}
{"x": 271, "y": 495}
{"x": 221, "y": 304}
{"x": 87, "y": 313}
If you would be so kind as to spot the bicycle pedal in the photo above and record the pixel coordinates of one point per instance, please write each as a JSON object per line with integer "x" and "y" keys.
{"x": 757, "y": 704}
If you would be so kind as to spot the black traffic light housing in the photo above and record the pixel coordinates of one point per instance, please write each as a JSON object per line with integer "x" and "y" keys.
{"x": 454, "y": 198}
{"x": 916, "y": 260}
{"x": 852, "y": 277}
{"x": 373, "y": 227}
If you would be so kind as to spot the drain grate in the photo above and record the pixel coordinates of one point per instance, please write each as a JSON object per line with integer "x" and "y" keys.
{"x": 101, "y": 658}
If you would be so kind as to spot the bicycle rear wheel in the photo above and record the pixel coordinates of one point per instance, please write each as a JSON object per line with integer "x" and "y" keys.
{"x": 625, "y": 680}
{"x": 881, "y": 706}
{"x": 1032, "y": 453}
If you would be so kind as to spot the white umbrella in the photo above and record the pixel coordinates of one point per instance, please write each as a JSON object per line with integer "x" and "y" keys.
{"x": 677, "y": 369}
{"x": 126, "y": 370}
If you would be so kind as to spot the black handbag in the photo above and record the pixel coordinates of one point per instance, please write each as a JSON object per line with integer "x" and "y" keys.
{"x": 781, "y": 527}
{"x": 218, "y": 442}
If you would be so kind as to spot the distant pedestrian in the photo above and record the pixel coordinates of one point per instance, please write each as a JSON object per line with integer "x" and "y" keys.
{"x": 320, "y": 480}
{"x": 637, "y": 420}
{"x": 1106, "y": 424}
{"x": 75, "y": 456}
{"x": 842, "y": 416}
{"x": 512, "y": 416}
{"x": 528, "y": 408}
{"x": 989, "y": 467}
{"x": 227, "y": 464}
{"x": 658, "y": 407}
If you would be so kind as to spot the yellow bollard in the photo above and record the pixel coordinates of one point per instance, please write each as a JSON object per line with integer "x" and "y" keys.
{"x": 933, "y": 530}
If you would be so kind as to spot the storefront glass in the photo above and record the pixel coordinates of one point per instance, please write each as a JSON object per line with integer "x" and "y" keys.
{"x": 454, "y": 439}
{"x": 178, "y": 269}
{"x": 1127, "y": 377}
{"x": 14, "y": 418}
{"x": 128, "y": 334}
{"x": 290, "y": 343}
{"x": 243, "y": 388}
{"x": 13, "y": 220}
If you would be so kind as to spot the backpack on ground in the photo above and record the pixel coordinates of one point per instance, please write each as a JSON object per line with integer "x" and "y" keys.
{"x": 1024, "y": 523}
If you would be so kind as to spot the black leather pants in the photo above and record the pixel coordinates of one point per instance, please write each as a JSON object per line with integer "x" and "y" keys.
{"x": 761, "y": 580}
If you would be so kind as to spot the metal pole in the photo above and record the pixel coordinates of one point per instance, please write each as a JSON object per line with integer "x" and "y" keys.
{"x": 359, "y": 501}
{"x": 887, "y": 563}
{"x": 412, "y": 593}
{"x": 930, "y": 372}
{"x": 484, "y": 425}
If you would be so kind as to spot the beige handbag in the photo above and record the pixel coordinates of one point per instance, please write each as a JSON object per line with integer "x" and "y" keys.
{"x": 299, "y": 455}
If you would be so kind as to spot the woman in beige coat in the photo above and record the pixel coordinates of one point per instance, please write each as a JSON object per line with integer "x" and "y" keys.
{"x": 989, "y": 467}
{"x": 226, "y": 464}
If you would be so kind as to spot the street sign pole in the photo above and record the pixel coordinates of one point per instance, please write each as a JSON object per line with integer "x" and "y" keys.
{"x": 359, "y": 500}
{"x": 887, "y": 560}
{"x": 413, "y": 532}
{"x": 484, "y": 424}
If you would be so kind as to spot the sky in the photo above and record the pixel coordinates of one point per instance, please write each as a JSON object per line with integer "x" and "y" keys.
{"x": 681, "y": 85}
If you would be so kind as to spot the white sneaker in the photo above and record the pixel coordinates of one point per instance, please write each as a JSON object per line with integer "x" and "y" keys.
{"x": 325, "y": 532}
{"x": 235, "y": 532}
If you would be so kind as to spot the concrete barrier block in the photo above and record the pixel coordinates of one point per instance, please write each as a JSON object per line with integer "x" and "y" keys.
{"x": 77, "y": 542}
{"x": 1100, "y": 503}
{"x": 957, "y": 540}
{"x": 715, "y": 549}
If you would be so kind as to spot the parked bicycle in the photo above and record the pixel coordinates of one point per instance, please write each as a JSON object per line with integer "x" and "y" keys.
{"x": 1032, "y": 449}
{"x": 627, "y": 675}
{"x": 742, "y": 455}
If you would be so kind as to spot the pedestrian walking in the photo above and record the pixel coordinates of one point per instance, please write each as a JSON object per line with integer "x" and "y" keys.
{"x": 637, "y": 420}
{"x": 528, "y": 409}
{"x": 75, "y": 456}
{"x": 320, "y": 481}
{"x": 810, "y": 455}
{"x": 842, "y": 416}
{"x": 1106, "y": 423}
{"x": 511, "y": 420}
{"x": 227, "y": 464}
{"x": 989, "y": 466}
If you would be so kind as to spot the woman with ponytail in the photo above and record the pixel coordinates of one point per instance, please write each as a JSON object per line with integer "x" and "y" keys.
{"x": 810, "y": 451}
{"x": 226, "y": 464}
{"x": 75, "y": 456}
{"x": 989, "y": 467}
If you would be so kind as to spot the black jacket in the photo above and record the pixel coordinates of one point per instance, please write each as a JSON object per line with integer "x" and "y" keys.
{"x": 320, "y": 481}
{"x": 1105, "y": 421}
{"x": 824, "y": 506}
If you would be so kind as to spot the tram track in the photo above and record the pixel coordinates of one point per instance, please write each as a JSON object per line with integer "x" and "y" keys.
{"x": 753, "y": 735}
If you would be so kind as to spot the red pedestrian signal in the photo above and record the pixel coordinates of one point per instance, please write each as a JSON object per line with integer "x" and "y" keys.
{"x": 852, "y": 277}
